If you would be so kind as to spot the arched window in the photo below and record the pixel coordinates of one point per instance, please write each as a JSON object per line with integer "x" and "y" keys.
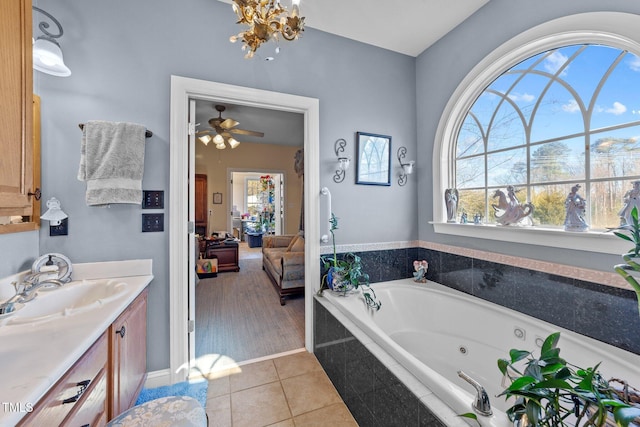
{"x": 555, "y": 106}
{"x": 565, "y": 116}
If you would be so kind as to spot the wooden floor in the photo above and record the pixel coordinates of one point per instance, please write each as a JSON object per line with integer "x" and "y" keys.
{"x": 239, "y": 316}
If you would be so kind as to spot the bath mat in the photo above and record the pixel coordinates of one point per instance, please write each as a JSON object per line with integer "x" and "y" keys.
{"x": 195, "y": 389}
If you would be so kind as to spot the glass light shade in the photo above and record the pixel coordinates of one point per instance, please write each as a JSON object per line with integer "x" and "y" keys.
{"x": 218, "y": 139}
{"x": 54, "y": 213}
{"x": 233, "y": 143}
{"x": 205, "y": 139}
{"x": 47, "y": 58}
{"x": 408, "y": 167}
{"x": 343, "y": 163}
{"x": 221, "y": 146}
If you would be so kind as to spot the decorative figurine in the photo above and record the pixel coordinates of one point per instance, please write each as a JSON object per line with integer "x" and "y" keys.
{"x": 477, "y": 219}
{"x": 631, "y": 199}
{"x": 575, "y": 207}
{"x": 420, "y": 267}
{"x": 451, "y": 200}
{"x": 463, "y": 218}
{"x": 509, "y": 210}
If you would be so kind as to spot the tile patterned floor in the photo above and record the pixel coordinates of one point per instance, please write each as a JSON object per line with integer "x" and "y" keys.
{"x": 288, "y": 391}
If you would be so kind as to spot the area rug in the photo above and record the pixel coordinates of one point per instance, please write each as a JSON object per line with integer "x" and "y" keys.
{"x": 195, "y": 389}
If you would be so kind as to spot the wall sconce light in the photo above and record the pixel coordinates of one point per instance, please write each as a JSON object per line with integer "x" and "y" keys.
{"x": 54, "y": 213}
{"x": 407, "y": 168}
{"x": 47, "y": 55}
{"x": 343, "y": 162}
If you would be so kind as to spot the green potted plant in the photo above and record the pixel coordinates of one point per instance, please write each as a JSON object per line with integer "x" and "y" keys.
{"x": 549, "y": 391}
{"x": 630, "y": 233}
{"x": 344, "y": 274}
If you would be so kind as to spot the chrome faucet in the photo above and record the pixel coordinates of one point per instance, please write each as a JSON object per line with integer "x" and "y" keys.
{"x": 26, "y": 290}
{"x": 481, "y": 405}
{"x": 33, "y": 283}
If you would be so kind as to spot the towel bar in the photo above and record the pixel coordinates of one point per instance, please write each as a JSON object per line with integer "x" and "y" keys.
{"x": 147, "y": 133}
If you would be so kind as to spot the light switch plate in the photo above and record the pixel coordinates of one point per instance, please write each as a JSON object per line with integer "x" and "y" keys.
{"x": 60, "y": 230}
{"x": 153, "y": 199}
{"x": 152, "y": 222}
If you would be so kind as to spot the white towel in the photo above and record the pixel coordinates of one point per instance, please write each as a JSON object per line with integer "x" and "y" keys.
{"x": 112, "y": 162}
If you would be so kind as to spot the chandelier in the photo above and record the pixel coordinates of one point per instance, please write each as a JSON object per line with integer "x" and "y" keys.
{"x": 266, "y": 19}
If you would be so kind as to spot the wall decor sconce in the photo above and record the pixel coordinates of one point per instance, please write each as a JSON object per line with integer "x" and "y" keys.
{"x": 343, "y": 162}
{"x": 407, "y": 168}
{"x": 47, "y": 55}
{"x": 54, "y": 213}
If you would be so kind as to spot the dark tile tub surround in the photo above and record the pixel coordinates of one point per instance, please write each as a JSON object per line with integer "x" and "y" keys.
{"x": 374, "y": 396}
{"x": 601, "y": 312}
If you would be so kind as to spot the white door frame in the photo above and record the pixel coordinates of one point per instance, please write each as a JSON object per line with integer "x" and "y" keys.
{"x": 183, "y": 89}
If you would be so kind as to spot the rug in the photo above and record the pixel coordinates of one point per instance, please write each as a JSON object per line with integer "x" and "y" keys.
{"x": 195, "y": 389}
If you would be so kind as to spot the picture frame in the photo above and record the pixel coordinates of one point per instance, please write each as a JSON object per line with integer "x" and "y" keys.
{"x": 217, "y": 198}
{"x": 373, "y": 164}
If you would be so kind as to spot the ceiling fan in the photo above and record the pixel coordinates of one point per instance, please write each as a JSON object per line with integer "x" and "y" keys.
{"x": 222, "y": 129}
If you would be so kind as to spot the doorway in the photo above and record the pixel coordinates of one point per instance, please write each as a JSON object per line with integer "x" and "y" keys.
{"x": 258, "y": 202}
{"x": 181, "y": 229}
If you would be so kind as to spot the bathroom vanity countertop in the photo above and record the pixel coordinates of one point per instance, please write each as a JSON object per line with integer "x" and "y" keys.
{"x": 34, "y": 356}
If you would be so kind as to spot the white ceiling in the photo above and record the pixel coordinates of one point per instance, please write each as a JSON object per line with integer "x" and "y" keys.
{"x": 408, "y": 26}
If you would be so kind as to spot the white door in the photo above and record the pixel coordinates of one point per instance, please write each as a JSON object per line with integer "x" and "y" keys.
{"x": 191, "y": 299}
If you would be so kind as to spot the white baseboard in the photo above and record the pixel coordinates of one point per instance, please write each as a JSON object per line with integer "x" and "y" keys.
{"x": 158, "y": 378}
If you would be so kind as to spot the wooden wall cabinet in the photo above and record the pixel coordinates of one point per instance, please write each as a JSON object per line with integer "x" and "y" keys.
{"x": 128, "y": 353}
{"x": 16, "y": 114}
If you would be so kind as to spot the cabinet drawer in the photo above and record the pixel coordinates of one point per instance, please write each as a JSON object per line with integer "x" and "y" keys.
{"x": 70, "y": 390}
{"x": 92, "y": 410}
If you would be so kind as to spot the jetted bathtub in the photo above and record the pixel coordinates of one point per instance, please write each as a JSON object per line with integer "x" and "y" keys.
{"x": 434, "y": 331}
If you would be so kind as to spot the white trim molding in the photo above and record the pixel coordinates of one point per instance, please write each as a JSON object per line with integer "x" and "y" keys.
{"x": 182, "y": 90}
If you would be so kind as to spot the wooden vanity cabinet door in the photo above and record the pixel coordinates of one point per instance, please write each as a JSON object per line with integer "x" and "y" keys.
{"x": 128, "y": 356}
{"x": 58, "y": 406}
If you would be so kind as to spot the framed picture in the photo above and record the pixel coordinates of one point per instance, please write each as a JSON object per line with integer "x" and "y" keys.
{"x": 373, "y": 165}
{"x": 217, "y": 198}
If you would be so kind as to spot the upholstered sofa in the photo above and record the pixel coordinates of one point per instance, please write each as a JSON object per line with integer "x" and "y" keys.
{"x": 283, "y": 261}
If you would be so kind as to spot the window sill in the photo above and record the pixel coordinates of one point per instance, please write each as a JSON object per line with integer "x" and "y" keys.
{"x": 592, "y": 241}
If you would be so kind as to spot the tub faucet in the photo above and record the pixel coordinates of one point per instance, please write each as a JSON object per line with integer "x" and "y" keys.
{"x": 481, "y": 404}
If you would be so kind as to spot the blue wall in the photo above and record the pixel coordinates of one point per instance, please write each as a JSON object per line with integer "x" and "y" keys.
{"x": 122, "y": 54}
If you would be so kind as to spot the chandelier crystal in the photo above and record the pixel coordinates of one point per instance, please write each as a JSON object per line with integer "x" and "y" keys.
{"x": 266, "y": 19}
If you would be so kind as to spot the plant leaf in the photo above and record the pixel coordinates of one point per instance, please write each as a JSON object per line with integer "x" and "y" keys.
{"x": 554, "y": 383}
{"x": 623, "y": 236}
{"x": 470, "y": 415}
{"x": 503, "y": 364}
{"x": 624, "y": 416}
{"x": 521, "y": 383}
{"x": 550, "y": 342}
{"x": 517, "y": 355}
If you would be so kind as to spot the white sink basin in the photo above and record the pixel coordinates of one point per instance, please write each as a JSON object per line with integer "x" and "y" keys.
{"x": 71, "y": 298}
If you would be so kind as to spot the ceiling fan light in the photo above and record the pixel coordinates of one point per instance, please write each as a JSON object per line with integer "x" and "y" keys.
{"x": 221, "y": 146}
{"x": 205, "y": 139}
{"x": 233, "y": 143}
{"x": 218, "y": 139}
